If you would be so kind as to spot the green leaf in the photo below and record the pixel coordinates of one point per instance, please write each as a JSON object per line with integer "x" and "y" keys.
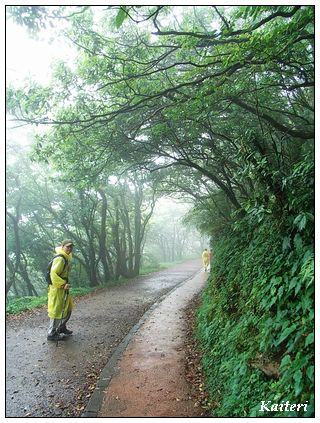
{"x": 286, "y": 333}
{"x": 310, "y": 373}
{"x": 300, "y": 221}
{"x": 297, "y": 287}
{"x": 293, "y": 283}
{"x": 285, "y": 361}
{"x": 298, "y": 385}
{"x": 309, "y": 339}
{"x": 294, "y": 268}
{"x": 286, "y": 244}
{"x": 298, "y": 242}
{"x": 306, "y": 302}
{"x": 121, "y": 16}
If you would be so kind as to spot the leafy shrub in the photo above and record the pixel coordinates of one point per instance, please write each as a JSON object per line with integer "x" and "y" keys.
{"x": 256, "y": 321}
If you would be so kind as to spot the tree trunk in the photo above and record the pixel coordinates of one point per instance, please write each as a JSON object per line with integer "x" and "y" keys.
{"x": 137, "y": 229}
{"x": 128, "y": 235}
{"x": 103, "y": 237}
{"x": 116, "y": 240}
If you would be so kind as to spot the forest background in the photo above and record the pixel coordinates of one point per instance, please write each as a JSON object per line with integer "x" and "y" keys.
{"x": 211, "y": 103}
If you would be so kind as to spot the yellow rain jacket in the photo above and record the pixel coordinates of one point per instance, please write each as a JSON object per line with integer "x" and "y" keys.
{"x": 205, "y": 258}
{"x": 56, "y": 292}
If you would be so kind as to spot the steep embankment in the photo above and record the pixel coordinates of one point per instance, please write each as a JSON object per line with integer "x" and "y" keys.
{"x": 256, "y": 320}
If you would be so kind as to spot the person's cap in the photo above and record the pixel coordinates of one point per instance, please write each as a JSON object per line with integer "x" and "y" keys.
{"x": 67, "y": 243}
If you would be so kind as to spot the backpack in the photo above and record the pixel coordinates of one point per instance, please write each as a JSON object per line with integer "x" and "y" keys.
{"x": 48, "y": 278}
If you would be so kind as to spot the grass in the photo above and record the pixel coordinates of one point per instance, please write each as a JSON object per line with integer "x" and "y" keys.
{"x": 161, "y": 266}
{"x": 156, "y": 267}
{"x": 18, "y": 305}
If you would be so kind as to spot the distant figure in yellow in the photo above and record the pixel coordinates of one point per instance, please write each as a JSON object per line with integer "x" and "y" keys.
{"x": 205, "y": 259}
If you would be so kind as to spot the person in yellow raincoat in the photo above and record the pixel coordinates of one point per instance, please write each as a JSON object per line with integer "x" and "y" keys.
{"x": 59, "y": 299}
{"x": 205, "y": 259}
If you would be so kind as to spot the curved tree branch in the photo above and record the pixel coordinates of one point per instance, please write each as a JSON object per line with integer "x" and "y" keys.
{"x": 272, "y": 121}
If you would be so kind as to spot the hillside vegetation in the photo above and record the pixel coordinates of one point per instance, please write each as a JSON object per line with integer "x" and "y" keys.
{"x": 256, "y": 323}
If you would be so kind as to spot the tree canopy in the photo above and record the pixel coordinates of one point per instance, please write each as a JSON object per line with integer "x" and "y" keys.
{"x": 216, "y": 91}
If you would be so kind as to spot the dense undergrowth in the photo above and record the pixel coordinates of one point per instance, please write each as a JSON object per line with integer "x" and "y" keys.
{"x": 256, "y": 321}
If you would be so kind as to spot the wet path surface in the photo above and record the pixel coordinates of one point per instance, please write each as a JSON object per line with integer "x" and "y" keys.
{"x": 150, "y": 380}
{"x": 43, "y": 380}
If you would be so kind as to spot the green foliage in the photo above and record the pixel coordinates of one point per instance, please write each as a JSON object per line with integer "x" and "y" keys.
{"x": 37, "y": 18}
{"x": 121, "y": 16}
{"x": 259, "y": 303}
{"x": 258, "y": 310}
{"x": 18, "y": 305}
{"x": 33, "y": 17}
{"x": 106, "y": 220}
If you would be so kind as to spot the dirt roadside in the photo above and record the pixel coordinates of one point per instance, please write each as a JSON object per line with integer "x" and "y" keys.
{"x": 43, "y": 380}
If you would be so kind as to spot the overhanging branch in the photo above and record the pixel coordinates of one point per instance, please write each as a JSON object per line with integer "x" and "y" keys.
{"x": 273, "y": 122}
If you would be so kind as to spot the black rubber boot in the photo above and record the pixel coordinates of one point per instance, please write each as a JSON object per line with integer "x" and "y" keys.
{"x": 65, "y": 331}
{"x": 55, "y": 337}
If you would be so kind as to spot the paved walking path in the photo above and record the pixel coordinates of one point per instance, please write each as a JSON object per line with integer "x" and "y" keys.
{"x": 45, "y": 380}
{"x": 150, "y": 378}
